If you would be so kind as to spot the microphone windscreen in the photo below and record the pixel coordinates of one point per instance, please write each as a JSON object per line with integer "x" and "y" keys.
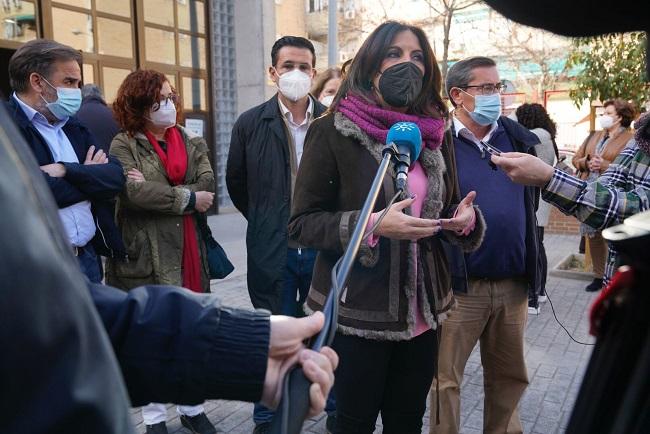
{"x": 408, "y": 134}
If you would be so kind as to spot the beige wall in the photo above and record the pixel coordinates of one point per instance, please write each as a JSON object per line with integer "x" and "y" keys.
{"x": 290, "y": 18}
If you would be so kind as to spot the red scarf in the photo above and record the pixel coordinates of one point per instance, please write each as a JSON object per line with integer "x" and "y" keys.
{"x": 175, "y": 164}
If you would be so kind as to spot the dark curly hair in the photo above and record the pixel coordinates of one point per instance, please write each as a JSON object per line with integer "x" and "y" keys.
{"x": 534, "y": 116}
{"x": 139, "y": 91}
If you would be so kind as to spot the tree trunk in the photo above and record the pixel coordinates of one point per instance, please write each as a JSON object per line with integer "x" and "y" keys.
{"x": 445, "y": 46}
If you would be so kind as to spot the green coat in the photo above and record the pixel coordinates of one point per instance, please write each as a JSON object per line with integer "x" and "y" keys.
{"x": 150, "y": 214}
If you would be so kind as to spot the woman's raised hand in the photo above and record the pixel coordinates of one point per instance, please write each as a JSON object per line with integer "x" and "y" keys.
{"x": 465, "y": 217}
{"x": 399, "y": 226}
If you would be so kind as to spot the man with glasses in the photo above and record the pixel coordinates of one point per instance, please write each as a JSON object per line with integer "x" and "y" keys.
{"x": 493, "y": 283}
{"x": 265, "y": 150}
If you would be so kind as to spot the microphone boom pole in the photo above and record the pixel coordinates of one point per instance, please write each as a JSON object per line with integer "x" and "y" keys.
{"x": 294, "y": 405}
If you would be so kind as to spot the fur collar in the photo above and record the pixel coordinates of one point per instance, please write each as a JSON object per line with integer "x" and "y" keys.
{"x": 432, "y": 163}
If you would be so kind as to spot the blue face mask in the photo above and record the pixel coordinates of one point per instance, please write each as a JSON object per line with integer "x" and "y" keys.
{"x": 487, "y": 108}
{"x": 67, "y": 102}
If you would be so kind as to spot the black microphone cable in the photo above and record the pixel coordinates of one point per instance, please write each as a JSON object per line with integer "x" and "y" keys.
{"x": 562, "y": 325}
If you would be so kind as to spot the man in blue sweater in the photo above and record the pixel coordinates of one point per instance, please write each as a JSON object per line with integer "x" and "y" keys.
{"x": 492, "y": 283}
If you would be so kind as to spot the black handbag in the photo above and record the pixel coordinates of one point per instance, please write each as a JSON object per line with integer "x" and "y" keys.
{"x": 218, "y": 262}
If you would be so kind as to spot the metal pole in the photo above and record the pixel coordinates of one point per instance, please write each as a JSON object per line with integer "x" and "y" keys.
{"x": 332, "y": 30}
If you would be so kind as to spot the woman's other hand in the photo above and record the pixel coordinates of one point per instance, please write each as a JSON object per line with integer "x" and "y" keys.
{"x": 135, "y": 175}
{"x": 464, "y": 218}
{"x": 203, "y": 200}
{"x": 399, "y": 226}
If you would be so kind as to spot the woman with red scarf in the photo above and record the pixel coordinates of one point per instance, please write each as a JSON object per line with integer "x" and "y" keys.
{"x": 169, "y": 184}
{"x": 399, "y": 291}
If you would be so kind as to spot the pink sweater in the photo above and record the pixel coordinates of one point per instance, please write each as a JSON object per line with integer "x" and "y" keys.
{"x": 417, "y": 185}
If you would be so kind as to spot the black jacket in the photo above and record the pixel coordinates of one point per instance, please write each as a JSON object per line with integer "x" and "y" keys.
{"x": 98, "y": 183}
{"x": 59, "y": 370}
{"x": 95, "y": 115}
{"x": 523, "y": 141}
{"x": 258, "y": 176}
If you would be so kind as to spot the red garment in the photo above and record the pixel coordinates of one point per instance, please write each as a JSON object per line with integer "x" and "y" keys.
{"x": 624, "y": 278}
{"x": 175, "y": 163}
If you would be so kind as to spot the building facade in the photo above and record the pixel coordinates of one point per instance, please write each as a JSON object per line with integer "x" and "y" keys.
{"x": 191, "y": 41}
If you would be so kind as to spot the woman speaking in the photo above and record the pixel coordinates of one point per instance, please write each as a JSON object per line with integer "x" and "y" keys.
{"x": 399, "y": 291}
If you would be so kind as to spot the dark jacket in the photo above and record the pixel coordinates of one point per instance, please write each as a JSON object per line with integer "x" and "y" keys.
{"x": 258, "y": 176}
{"x": 523, "y": 141}
{"x": 59, "y": 370}
{"x": 98, "y": 183}
{"x": 338, "y": 166}
{"x": 95, "y": 115}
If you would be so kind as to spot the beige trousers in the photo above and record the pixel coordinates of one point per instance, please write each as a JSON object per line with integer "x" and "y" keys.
{"x": 494, "y": 313}
{"x": 598, "y": 252}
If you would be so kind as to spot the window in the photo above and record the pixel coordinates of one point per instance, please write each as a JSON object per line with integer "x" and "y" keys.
{"x": 316, "y": 5}
{"x": 74, "y": 29}
{"x": 159, "y": 46}
{"x": 113, "y": 78}
{"x": 115, "y": 7}
{"x": 114, "y": 37}
{"x": 17, "y": 21}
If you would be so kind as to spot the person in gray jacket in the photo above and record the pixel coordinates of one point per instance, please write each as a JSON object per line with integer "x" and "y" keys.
{"x": 535, "y": 118}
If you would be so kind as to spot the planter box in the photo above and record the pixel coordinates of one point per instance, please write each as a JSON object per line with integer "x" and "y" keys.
{"x": 572, "y": 267}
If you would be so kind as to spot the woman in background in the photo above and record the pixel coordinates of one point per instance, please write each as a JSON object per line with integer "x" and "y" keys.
{"x": 169, "y": 182}
{"x": 326, "y": 85}
{"x": 599, "y": 149}
{"x": 535, "y": 118}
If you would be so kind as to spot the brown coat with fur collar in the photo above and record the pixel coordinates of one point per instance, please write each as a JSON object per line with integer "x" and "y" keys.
{"x": 336, "y": 171}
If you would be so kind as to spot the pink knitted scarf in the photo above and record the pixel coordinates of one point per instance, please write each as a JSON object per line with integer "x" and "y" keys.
{"x": 376, "y": 121}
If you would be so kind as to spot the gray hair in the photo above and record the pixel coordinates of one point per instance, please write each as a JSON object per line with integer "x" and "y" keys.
{"x": 91, "y": 90}
{"x": 37, "y": 56}
{"x": 461, "y": 73}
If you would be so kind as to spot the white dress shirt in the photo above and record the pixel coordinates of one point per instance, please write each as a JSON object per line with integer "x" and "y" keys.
{"x": 298, "y": 131}
{"x": 77, "y": 218}
{"x": 463, "y": 131}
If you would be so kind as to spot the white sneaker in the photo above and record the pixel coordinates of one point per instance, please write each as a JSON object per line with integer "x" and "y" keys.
{"x": 533, "y": 310}
{"x": 542, "y": 299}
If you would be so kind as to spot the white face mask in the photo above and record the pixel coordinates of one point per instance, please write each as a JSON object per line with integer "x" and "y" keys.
{"x": 294, "y": 84}
{"x": 327, "y": 100}
{"x": 165, "y": 116}
{"x": 606, "y": 122}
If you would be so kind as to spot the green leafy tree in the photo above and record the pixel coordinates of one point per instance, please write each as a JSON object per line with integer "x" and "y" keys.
{"x": 611, "y": 66}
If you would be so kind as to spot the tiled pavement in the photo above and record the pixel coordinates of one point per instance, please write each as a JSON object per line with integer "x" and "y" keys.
{"x": 555, "y": 363}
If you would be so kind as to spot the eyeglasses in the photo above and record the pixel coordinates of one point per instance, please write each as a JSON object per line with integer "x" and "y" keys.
{"x": 489, "y": 88}
{"x": 173, "y": 97}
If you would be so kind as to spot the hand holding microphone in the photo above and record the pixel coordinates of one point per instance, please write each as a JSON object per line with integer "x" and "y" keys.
{"x": 286, "y": 348}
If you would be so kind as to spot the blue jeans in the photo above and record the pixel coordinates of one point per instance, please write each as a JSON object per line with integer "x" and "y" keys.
{"x": 89, "y": 263}
{"x": 297, "y": 279}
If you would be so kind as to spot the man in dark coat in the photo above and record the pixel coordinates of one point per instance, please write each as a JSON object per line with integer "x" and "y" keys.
{"x": 75, "y": 356}
{"x": 95, "y": 115}
{"x": 45, "y": 76}
{"x": 265, "y": 151}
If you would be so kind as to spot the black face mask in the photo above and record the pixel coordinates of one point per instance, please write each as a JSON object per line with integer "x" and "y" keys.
{"x": 400, "y": 84}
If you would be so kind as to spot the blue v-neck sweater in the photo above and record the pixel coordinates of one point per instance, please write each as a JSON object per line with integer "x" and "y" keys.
{"x": 503, "y": 252}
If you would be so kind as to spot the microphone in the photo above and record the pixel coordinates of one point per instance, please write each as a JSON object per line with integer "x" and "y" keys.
{"x": 406, "y": 140}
